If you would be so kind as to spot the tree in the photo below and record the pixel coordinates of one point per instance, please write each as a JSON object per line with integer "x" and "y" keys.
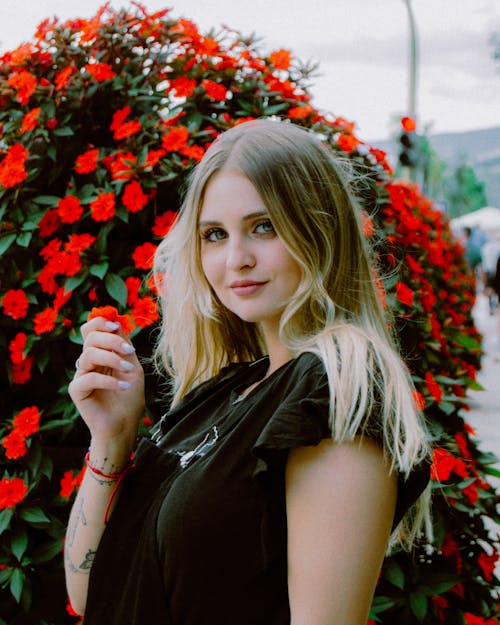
{"x": 102, "y": 120}
{"x": 464, "y": 192}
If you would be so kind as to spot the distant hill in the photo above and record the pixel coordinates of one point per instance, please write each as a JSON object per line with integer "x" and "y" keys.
{"x": 480, "y": 148}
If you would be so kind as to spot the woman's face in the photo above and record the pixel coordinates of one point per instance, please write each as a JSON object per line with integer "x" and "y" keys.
{"x": 243, "y": 259}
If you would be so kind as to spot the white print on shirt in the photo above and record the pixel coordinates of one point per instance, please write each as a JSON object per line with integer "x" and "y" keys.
{"x": 200, "y": 450}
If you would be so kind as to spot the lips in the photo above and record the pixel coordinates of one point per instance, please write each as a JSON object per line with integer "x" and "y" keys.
{"x": 246, "y": 287}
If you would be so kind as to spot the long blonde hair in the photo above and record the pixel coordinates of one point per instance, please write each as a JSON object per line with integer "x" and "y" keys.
{"x": 335, "y": 313}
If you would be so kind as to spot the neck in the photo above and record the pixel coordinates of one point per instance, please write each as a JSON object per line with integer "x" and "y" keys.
{"x": 278, "y": 353}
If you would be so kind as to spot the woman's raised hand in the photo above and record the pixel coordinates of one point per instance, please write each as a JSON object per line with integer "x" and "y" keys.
{"x": 108, "y": 386}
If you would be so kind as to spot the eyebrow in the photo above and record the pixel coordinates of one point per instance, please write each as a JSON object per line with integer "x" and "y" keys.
{"x": 250, "y": 216}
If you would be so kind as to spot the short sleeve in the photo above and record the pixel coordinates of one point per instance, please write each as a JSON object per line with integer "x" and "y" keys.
{"x": 409, "y": 490}
{"x": 301, "y": 419}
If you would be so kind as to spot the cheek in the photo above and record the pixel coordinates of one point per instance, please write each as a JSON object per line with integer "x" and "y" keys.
{"x": 210, "y": 268}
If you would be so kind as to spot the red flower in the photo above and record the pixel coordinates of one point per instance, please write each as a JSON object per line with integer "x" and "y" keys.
{"x": 121, "y": 165}
{"x": 62, "y": 77}
{"x": 27, "y": 422}
{"x": 45, "y": 321}
{"x": 300, "y": 112}
{"x": 127, "y": 129}
{"x": 444, "y": 463}
{"x": 134, "y": 199}
{"x": 195, "y": 152}
{"x": 12, "y": 492}
{"x": 163, "y": 223}
{"x": 21, "y": 372}
{"x": 440, "y": 603}
{"x": 119, "y": 117}
{"x": 87, "y": 162}
{"x": 281, "y": 59}
{"x": 133, "y": 286}
{"x": 30, "y": 120}
{"x": 111, "y": 314}
{"x": 144, "y": 311}
{"x": 347, "y": 143}
{"x": 408, "y": 124}
{"x": 471, "y": 493}
{"x": 15, "y": 445}
{"x": 487, "y": 564}
{"x": 404, "y": 294}
{"x": 69, "y": 209}
{"x": 25, "y": 84}
{"x": 175, "y": 139}
{"x": 433, "y": 387}
{"x": 15, "y": 304}
{"x": 183, "y": 87}
{"x": 12, "y": 170}
{"x": 16, "y": 347}
{"x": 214, "y": 90}
{"x": 103, "y": 207}
{"x": 153, "y": 157}
{"x": 49, "y": 223}
{"x": 79, "y": 242}
{"x": 143, "y": 256}
{"x": 100, "y": 71}
{"x": 69, "y": 482}
{"x": 419, "y": 400}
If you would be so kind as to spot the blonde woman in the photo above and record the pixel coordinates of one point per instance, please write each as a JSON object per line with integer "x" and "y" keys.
{"x": 292, "y": 455}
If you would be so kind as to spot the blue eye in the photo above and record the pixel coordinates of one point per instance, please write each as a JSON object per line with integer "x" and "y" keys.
{"x": 213, "y": 235}
{"x": 265, "y": 227}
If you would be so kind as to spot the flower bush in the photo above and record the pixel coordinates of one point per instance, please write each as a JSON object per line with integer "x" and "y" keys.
{"x": 101, "y": 121}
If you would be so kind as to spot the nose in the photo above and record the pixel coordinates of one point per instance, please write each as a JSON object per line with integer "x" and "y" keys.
{"x": 239, "y": 254}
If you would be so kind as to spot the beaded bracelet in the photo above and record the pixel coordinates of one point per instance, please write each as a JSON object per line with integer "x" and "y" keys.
{"x": 118, "y": 477}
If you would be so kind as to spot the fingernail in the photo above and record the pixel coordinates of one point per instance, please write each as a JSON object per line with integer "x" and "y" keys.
{"x": 126, "y": 366}
{"x": 111, "y": 325}
{"x": 127, "y": 348}
{"x": 123, "y": 385}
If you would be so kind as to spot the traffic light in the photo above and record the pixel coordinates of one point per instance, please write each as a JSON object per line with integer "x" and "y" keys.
{"x": 408, "y": 150}
{"x": 408, "y": 143}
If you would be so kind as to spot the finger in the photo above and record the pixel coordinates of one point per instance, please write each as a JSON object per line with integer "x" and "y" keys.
{"x": 110, "y": 341}
{"x": 84, "y": 385}
{"x": 99, "y": 323}
{"x": 95, "y": 357}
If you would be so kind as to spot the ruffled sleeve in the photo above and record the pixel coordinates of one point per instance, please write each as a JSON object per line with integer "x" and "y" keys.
{"x": 300, "y": 419}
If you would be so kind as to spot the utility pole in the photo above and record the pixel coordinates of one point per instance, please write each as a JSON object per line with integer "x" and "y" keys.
{"x": 409, "y": 172}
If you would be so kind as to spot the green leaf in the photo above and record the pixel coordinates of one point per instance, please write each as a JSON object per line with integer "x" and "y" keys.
{"x": 64, "y": 132}
{"x": 73, "y": 282}
{"x": 24, "y": 239}
{"x": 19, "y": 543}
{"x": 33, "y": 514}
{"x": 381, "y": 604}
{"x": 394, "y": 574}
{"x": 116, "y": 287}
{"x": 46, "y": 552}
{"x": 467, "y": 342}
{"x": 5, "y": 517}
{"x": 6, "y": 241}
{"x": 418, "y": 605}
{"x": 46, "y": 200}
{"x": 275, "y": 108}
{"x": 16, "y": 584}
{"x": 99, "y": 270}
{"x": 447, "y": 407}
{"x": 491, "y": 471}
{"x": 439, "y": 588}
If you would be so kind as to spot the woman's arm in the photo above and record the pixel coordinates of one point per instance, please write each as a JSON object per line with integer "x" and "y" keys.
{"x": 108, "y": 390}
{"x": 340, "y": 502}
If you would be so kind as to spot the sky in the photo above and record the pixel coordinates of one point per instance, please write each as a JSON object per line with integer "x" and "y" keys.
{"x": 361, "y": 47}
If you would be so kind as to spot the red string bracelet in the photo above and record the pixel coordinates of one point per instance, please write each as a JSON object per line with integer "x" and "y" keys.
{"x": 118, "y": 476}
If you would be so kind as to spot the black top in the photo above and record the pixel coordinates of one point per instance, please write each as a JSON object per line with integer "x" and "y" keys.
{"x": 198, "y": 536}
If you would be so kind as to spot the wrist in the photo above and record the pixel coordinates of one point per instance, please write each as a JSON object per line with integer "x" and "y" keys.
{"x": 110, "y": 456}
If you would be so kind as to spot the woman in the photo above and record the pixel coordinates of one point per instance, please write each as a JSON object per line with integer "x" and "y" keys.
{"x": 292, "y": 454}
